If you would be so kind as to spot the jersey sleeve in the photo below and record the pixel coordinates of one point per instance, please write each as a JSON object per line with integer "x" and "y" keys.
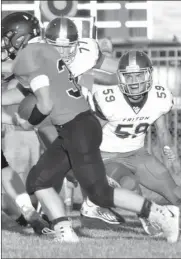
{"x": 29, "y": 64}
{"x": 88, "y": 54}
{"x": 169, "y": 100}
{"x": 165, "y": 99}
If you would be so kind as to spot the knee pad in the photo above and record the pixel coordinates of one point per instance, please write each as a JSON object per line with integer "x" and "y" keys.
{"x": 101, "y": 194}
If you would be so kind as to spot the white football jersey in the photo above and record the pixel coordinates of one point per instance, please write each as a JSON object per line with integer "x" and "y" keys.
{"x": 86, "y": 56}
{"x": 127, "y": 125}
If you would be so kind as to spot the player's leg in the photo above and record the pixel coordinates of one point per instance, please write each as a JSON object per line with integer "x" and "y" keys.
{"x": 19, "y": 155}
{"x": 135, "y": 161}
{"x": 118, "y": 175}
{"x": 156, "y": 177}
{"x": 8, "y": 205}
{"x": 69, "y": 185}
{"x": 50, "y": 170}
{"x": 10, "y": 209}
{"x": 82, "y": 138}
{"x": 47, "y": 133}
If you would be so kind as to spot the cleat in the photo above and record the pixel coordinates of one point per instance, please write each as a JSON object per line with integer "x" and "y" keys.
{"x": 34, "y": 219}
{"x": 96, "y": 212}
{"x": 151, "y": 228}
{"x": 63, "y": 232}
{"x": 167, "y": 217}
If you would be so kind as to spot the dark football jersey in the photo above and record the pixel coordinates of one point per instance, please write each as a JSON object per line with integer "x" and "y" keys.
{"x": 43, "y": 59}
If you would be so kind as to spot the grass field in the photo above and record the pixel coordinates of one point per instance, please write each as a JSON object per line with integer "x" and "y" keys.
{"x": 129, "y": 241}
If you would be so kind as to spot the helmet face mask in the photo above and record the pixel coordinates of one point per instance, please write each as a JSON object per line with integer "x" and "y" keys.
{"x": 135, "y": 75}
{"x": 62, "y": 34}
{"x": 66, "y": 50}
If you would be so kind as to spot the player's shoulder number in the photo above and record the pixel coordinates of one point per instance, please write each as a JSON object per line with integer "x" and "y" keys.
{"x": 160, "y": 91}
{"x": 83, "y": 46}
{"x": 109, "y": 95}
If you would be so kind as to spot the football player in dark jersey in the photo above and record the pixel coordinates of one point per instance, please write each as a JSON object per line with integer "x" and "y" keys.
{"x": 12, "y": 183}
{"x": 77, "y": 146}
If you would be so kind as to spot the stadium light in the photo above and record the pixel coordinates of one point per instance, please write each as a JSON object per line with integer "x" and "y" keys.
{"x": 136, "y": 24}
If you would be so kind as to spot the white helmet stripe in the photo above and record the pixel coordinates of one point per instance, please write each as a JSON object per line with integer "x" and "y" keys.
{"x": 62, "y": 30}
{"x": 132, "y": 58}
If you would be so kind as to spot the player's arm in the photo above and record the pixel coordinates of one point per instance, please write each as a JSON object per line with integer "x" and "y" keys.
{"x": 103, "y": 78}
{"x": 44, "y": 105}
{"x": 103, "y": 67}
{"x": 6, "y": 67}
{"x": 12, "y": 95}
{"x": 166, "y": 143}
{"x": 5, "y": 117}
{"x": 36, "y": 78}
{"x": 104, "y": 72}
{"x": 163, "y": 133}
{"x": 107, "y": 64}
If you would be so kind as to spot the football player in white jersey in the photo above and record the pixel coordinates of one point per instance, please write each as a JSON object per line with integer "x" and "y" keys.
{"x": 129, "y": 108}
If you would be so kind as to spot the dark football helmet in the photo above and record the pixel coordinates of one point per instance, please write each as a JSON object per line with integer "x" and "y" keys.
{"x": 17, "y": 29}
{"x": 135, "y": 73}
{"x": 63, "y": 34}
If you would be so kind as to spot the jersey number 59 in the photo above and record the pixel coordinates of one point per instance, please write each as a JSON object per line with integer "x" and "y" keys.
{"x": 122, "y": 130}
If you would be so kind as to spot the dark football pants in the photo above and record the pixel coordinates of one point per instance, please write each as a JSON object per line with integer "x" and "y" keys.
{"x": 76, "y": 147}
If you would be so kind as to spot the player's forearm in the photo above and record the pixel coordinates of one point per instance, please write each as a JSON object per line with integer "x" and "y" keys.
{"x": 10, "y": 97}
{"x": 6, "y": 67}
{"x": 165, "y": 138}
{"x": 167, "y": 146}
{"x": 103, "y": 78}
{"x": 107, "y": 63}
{"x": 6, "y": 118}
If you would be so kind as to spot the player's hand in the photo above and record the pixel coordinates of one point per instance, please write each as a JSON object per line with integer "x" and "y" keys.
{"x": 22, "y": 123}
{"x": 173, "y": 162}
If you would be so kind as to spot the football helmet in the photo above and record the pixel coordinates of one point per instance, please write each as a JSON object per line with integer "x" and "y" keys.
{"x": 63, "y": 34}
{"x": 17, "y": 29}
{"x": 134, "y": 73}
